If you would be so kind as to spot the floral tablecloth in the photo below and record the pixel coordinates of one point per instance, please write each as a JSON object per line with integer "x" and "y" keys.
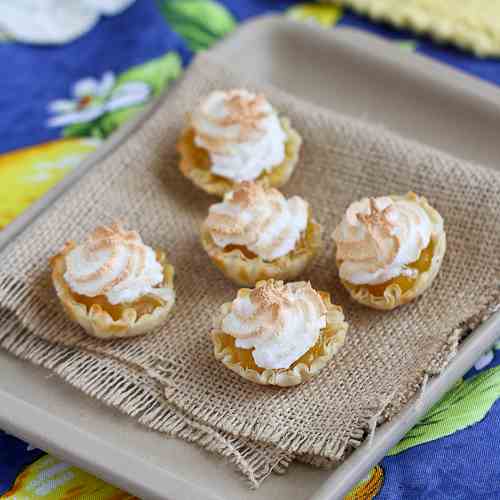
{"x": 59, "y": 101}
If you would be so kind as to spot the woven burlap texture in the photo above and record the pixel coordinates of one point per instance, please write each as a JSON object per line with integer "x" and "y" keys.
{"x": 386, "y": 355}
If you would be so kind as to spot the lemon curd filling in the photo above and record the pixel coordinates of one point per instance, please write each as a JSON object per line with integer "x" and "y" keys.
{"x": 245, "y": 359}
{"x": 200, "y": 157}
{"x": 144, "y": 305}
{"x": 305, "y": 237}
{"x": 405, "y": 283}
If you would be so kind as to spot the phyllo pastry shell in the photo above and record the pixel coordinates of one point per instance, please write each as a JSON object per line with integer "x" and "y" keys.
{"x": 389, "y": 249}
{"x": 235, "y": 136}
{"x": 256, "y": 234}
{"x": 113, "y": 284}
{"x": 277, "y": 334}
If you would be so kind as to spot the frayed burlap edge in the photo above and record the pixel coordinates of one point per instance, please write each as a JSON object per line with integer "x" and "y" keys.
{"x": 135, "y": 393}
{"x": 115, "y": 389}
{"x": 388, "y": 407}
{"x": 373, "y": 412}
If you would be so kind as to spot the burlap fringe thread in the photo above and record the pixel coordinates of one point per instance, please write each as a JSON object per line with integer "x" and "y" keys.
{"x": 122, "y": 389}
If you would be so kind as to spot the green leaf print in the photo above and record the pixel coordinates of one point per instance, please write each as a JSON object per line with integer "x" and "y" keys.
{"x": 80, "y": 130}
{"x": 407, "y": 45}
{"x": 111, "y": 121}
{"x": 157, "y": 73}
{"x": 200, "y": 22}
{"x": 464, "y": 405}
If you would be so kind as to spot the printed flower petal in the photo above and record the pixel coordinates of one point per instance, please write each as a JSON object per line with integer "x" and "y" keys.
{"x": 128, "y": 94}
{"x": 83, "y": 116}
{"x": 86, "y": 86}
{"x": 369, "y": 487}
{"x": 109, "y": 7}
{"x": 47, "y": 21}
{"x": 106, "y": 84}
{"x": 54, "y": 21}
{"x": 62, "y": 106}
{"x": 484, "y": 360}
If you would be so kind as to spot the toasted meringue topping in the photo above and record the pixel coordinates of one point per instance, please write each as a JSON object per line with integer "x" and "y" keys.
{"x": 281, "y": 322}
{"x": 260, "y": 219}
{"x": 379, "y": 237}
{"x": 241, "y": 132}
{"x": 115, "y": 263}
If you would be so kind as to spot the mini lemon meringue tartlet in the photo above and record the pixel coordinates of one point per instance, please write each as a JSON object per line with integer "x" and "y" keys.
{"x": 113, "y": 284}
{"x": 256, "y": 234}
{"x": 278, "y": 334}
{"x": 389, "y": 249}
{"x": 234, "y": 136}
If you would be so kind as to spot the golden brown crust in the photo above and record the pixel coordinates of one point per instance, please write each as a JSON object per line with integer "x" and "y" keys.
{"x": 247, "y": 271}
{"x": 195, "y": 163}
{"x": 393, "y": 295}
{"x": 98, "y": 322}
{"x": 331, "y": 339}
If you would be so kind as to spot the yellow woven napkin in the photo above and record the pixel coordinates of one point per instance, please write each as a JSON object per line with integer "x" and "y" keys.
{"x": 470, "y": 24}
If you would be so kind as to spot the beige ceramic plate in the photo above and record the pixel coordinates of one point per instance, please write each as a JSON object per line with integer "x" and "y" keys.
{"x": 350, "y": 72}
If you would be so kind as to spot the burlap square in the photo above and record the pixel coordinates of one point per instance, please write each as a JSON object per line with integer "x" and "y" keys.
{"x": 386, "y": 354}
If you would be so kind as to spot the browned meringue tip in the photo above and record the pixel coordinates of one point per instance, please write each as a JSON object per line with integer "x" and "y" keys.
{"x": 243, "y": 110}
{"x": 246, "y": 195}
{"x": 110, "y": 237}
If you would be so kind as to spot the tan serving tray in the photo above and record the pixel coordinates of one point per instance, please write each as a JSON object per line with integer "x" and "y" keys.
{"x": 353, "y": 73}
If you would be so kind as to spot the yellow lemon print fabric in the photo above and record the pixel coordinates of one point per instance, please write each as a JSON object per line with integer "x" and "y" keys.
{"x": 27, "y": 174}
{"x": 325, "y": 14}
{"x": 48, "y": 478}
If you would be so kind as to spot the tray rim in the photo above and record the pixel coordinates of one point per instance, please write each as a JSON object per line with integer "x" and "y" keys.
{"x": 354, "y": 467}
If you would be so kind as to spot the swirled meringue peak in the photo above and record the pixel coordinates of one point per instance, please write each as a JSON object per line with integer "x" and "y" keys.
{"x": 241, "y": 132}
{"x": 115, "y": 263}
{"x": 260, "y": 219}
{"x": 379, "y": 237}
{"x": 280, "y": 322}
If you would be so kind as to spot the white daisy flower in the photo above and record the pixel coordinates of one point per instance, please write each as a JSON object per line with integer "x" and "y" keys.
{"x": 484, "y": 360}
{"x": 54, "y": 21}
{"x": 93, "y": 98}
